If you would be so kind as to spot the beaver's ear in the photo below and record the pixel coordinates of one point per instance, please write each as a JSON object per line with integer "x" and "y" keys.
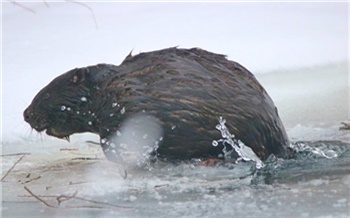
{"x": 79, "y": 75}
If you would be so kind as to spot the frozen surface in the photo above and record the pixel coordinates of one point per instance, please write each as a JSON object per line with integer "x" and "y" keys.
{"x": 298, "y": 52}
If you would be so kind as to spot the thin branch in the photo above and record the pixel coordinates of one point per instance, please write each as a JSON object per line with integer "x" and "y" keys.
{"x": 28, "y": 181}
{"x": 65, "y": 197}
{"x": 86, "y": 158}
{"x": 91, "y": 207}
{"x": 13, "y": 166}
{"x": 77, "y": 183}
{"x": 69, "y": 149}
{"x": 86, "y": 6}
{"x": 78, "y": 198}
{"x": 46, "y": 4}
{"x": 92, "y": 142}
{"x": 345, "y": 127}
{"x": 103, "y": 203}
{"x": 22, "y": 6}
{"x": 39, "y": 199}
{"x": 15, "y": 154}
{"x": 161, "y": 186}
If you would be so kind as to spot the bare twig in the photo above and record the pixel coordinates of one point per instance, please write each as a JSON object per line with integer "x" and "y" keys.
{"x": 92, "y": 142}
{"x": 161, "y": 186}
{"x": 13, "y": 166}
{"x": 65, "y": 197}
{"x": 86, "y": 6}
{"x": 69, "y": 149}
{"x": 75, "y": 197}
{"x": 28, "y": 181}
{"x": 46, "y": 4}
{"x": 15, "y": 154}
{"x": 85, "y": 158}
{"x": 40, "y": 196}
{"x": 103, "y": 203}
{"x": 39, "y": 199}
{"x": 92, "y": 207}
{"x": 76, "y": 183}
{"x": 345, "y": 127}
{"x": 22, "y": 6}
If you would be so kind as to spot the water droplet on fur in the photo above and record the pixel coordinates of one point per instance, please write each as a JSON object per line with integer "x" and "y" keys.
{"x": 173, "y": 127}
{"x": 83, "y": 99}
{"x": 119, "y": 133}
{"x": 122, "y": 111}
{"x": 68, "y": 108}
{"x": 111, "y": 115}
{"x": 63, "y": 108}
{"x": 90, "y": 123}
{"x": 114, "y": 104}
{"x": 215, "y": 143}
{"x": 78, "y": 112}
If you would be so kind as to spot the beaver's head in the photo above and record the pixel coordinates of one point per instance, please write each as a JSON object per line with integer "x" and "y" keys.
{"x": 62, "y": 107}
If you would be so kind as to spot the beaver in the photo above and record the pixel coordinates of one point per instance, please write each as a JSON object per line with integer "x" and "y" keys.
{"x": 185, "y": 90}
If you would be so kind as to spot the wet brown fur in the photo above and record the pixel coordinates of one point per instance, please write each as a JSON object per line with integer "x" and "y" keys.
{"x": 189, "y": 89}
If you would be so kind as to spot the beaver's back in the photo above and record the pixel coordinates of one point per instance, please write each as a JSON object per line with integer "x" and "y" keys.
{"x": 188, "y": 90}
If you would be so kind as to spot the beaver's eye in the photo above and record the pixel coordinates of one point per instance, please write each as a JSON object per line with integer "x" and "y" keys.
{"x": 46, "y": 96}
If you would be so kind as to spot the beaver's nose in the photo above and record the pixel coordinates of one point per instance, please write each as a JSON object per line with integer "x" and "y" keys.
{"x": 27, "y": 115}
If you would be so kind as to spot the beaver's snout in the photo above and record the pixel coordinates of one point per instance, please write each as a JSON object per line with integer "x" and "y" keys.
{"x": 28, "y": 115}
{"x": 37, "y": 122}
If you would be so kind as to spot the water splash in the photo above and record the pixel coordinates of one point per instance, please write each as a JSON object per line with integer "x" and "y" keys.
{"x": 245, "y": 152}
{"x": 301, "y": 147}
